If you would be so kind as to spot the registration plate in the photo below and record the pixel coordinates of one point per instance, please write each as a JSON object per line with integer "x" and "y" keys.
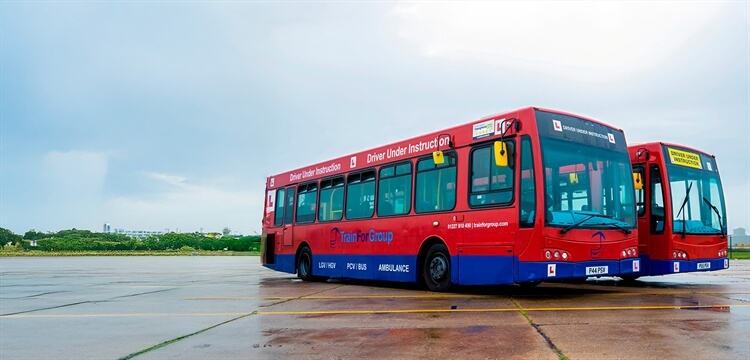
{"x": 704, "y": 266}
{"x": 597, "y": 270}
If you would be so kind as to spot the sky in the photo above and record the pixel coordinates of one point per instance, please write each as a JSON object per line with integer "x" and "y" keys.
{"x": 170, "y": 115}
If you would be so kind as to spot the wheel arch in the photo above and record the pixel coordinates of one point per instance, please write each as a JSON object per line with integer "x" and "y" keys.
{"x": 426, "y": 245}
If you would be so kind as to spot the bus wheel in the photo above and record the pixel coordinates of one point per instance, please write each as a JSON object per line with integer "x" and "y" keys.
{"x": 629, "y": 278}
{"x": 304, "y": 264}
{"x": 437, "y": 268}
{"x": 529, "y": 284}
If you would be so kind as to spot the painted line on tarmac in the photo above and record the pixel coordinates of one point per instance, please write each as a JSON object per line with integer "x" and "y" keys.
{"x": 334, "y": 297}
{"x": 447, "y": 296}
{"x": 18, "y": 316}
{"x": 417, "y": 311}
{"x": 392, "y": 311}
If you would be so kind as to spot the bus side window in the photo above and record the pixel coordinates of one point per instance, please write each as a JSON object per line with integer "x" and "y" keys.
{"x": 527, "y": 199}
{"x": 279, "y": 212}
{"x": 436, "y": 184}
{"x": 657, "y": 200}
{"x": 640, "y": 193}
{"x": 289, "y": 207}
{"x": 331, "y": 199}
{"x": 490, "y": 184}
{"x": 360, "y": 195}
{"x": 386, "y": 191}
{"x": 307, "y": 197}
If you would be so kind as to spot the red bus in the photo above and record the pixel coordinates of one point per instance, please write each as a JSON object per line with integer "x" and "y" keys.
{"x": 523, "y": 197}
{"x": 681, "y": 213}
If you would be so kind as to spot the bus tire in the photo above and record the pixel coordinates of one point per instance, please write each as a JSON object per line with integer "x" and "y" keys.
{"x": 436, "y": 269}
{"x": 304, "y": 264}
{"x": 629, "y": 278}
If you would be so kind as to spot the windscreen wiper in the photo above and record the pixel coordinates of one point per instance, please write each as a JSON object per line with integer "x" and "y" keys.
{"x": 624, "y": 229}
{"x": 682, "y": 207}
{"x": 721, "y": 224}
{"x": 576, "y": 224}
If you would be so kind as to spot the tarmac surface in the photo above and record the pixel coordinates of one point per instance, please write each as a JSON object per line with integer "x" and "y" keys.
{"x": 232, "y": 308}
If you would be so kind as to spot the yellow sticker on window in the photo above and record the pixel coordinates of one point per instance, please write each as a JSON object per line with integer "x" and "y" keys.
{"x": 685, "y": 158}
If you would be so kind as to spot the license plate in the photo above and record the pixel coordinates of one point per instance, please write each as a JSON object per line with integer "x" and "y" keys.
{"x": 597, "y": 270}
{"x": 704, "y": 266}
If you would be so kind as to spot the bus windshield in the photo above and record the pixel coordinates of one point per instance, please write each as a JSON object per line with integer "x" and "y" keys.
{"x": 697, "y": 201}
{"x": 587, "y": 187}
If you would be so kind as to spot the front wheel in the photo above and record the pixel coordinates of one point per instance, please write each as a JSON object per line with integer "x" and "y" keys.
{"x": 629, "y": 278}
{"x": 304, "y": 264}
{"x": 436, "y": 269}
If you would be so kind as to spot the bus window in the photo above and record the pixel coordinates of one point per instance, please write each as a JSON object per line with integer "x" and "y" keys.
{"x": 279, "y": 213}
{"x": 360, "y": 195}
{"x": 490, "y": 184}
{"x": 394, "y": 190}
{"x": 331, "y": 199}
{"x": 307, "y": 197}
{"x": 289, "y": 213}
{"x": 528, "y": 194}
{"x": 640, "y": 193}
{"x": 657, "y": 201}
{"x": 436, "y": 185}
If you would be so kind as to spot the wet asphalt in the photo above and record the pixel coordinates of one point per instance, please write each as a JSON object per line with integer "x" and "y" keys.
{"x": 232, "y": 308}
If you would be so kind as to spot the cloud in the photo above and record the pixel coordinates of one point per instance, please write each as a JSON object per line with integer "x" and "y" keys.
{"x": 580, "y": 40}
{"x": 188, "y": 206}
{"x": 74, "y": 174}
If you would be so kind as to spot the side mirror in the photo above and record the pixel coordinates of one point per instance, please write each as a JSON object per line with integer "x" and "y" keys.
{"x": 500, "y": 149}
{"x": 637, "y": 181}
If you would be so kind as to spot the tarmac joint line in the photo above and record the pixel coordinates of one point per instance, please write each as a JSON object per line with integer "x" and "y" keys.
{"x": 539, "y": 330}
{"x": 169, "y": 342}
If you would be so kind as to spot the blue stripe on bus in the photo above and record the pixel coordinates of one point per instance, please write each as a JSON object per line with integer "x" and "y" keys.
{"x": 627, "y": 267}
{"x": 467, "y": 270}
{"x": 663, "y": 267}
{"x": 484, "y": 270}
{"x": 544, "y": 271}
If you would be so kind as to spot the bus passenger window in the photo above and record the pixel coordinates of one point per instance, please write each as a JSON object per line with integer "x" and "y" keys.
{"x": 436, "y": 184}
{"x": 360, "y": 195}
{"x": 490, "y": 184}
{"x": 307, "y": 197}
{"x": 394, "y": 189}
{"x": 331, "y": 199}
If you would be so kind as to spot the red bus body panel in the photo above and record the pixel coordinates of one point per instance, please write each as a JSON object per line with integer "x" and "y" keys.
{"x": 486, "y": 246}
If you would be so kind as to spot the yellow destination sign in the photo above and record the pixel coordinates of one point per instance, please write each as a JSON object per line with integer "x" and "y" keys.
{"x": 685, "y": 158}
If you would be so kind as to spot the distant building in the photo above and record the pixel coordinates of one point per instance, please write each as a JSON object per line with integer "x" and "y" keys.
{"x": 739, "y": 238}
{"x": 139, "y": 234}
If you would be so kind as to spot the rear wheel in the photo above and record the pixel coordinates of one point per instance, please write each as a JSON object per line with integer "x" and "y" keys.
{"x": 436, "y": 269}
{"x": 304, "y": 264}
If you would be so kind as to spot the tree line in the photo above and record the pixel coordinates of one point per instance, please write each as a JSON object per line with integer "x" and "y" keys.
{"x": 85, "y": 240}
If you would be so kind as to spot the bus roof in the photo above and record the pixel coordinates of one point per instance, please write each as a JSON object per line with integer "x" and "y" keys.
{"x": 657, "y": 145}
{"x": 458, "y": 136}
